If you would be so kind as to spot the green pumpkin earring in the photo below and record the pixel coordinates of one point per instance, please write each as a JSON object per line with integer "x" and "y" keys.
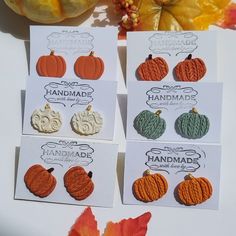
{"x": 149, "y": 124}
{"x": 192, "y": 125}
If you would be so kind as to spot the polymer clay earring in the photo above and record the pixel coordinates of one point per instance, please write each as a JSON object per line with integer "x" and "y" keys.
{"x": 190, "y": 70}
{"x": 78, "y": 183}
{"x": 153, "y": 69}
{"x": 87, "y": 122}
{"x": 89, "y": 67}
{"x": 46, "y": 120}
{"x": 40, "y": 181}
{"x": 192, "y": 125}
{"x": 150, "y": 187}
{"x": 149, "y": 124}
{"x": 193, "y": 191}
{"x": 51, "y": 66}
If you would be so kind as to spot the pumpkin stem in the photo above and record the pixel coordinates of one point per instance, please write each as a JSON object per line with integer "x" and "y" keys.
{"x": 90, "y": 174}
{"x": 189, "y": 57}
{"x": 190, "y": 176}
{"x": 91, "y": 53}
{"x": 158, "y": 112}
{"x": 89, "y": 108}
{"x": 52, "y": 52}
{"x": 47, "y": 107}
{"x": 147, "y": 172}
{"x": 150, "y": 57}
{"x": 50, "y": 170}
{"x": 194, "y": 110}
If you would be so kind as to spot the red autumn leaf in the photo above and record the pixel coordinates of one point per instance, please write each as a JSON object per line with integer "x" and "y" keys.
{"x": 130, "y": 227}
{"x": 85, "y": 225}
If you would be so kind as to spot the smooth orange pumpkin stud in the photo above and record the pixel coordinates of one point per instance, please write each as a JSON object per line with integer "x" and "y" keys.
{"x": 150, "y": 187}
{"x": 78, "y": 183}
{"x": 190, "y": 69}
{"x": 40, "y": 181}
{"x": 193, "y": 191}
{"x": 89, "y": 67}
{"x": 153, "y": 69}
{"x": 51, "y": 66}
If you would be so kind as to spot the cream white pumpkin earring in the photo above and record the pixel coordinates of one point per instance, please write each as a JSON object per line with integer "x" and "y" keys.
{"x": 87, "y": 122}
{"x": 46, "y": 120}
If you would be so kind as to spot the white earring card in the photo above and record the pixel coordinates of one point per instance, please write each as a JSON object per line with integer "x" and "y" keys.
{"x": 60, "y": 155}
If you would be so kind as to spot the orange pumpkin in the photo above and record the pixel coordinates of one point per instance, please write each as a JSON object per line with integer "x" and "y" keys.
{"x": 154, "y": 69}
{"x": 51, "y": 66}
{"x": 40, "y": 181}
{"x": 190, "y": 69}
{"x": 193, "y": 191}
{"x": 89, "y": 67}
{"x": 150, "y": 187}
{"x": 78, "y": 183}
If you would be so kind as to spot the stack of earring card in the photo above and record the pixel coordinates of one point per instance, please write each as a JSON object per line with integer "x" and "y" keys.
{"x": 173, "y": 119}
{"x": 69, "y": 113}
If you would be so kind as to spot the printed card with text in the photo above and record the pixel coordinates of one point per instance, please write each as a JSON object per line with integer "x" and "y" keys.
{"x": 172, "y": 56}
{"x": 175, "y": 112}
{"x": 174, "y": 175}
{"x": 66, "y": 171}
{"x": 70, "y": 108}
{"x": 73, "y": 52}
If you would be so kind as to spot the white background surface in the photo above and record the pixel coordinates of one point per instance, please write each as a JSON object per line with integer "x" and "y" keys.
{"x": 24, "y": 218}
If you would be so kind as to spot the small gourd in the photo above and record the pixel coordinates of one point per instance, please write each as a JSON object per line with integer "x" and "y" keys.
{"x": 153, "y": 69}
{"x": 193, "y": 191}
{"x": 192, "y": 125}
{"x": 51, "y": 66}
{"x": 190, "y": 70}
{"x": 149, "y": 124}
{"x": 78, "y": 183}
{"x": 150, "y": 187}
{"x": 40, "y": 181}
{"x": 89, "y": 67}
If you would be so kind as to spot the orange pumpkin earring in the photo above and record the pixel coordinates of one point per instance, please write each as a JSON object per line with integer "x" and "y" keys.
{"x": 190, "y": 69}
{"x": 40, "y": 181}
{"x": 78, "y": 183}
{"x": 193, "y": 191}
{"x": 154, "y": 69}
{"x": 150, "y": 187}
{"x": 51, "y": 66}
{"x": 89, "y": 67}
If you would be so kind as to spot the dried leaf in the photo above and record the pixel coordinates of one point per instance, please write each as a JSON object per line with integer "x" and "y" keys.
{"x": 130, "y": 227}
{"x": 85, "y": 225}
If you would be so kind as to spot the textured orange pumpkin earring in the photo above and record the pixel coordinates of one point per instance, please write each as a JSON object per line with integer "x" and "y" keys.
{"x": 190, "y": 69}
{"x": 40, "y": 181}
{"x": 89, "y": 67}
{"x": 193, "y": 191}
{"x": 150, "y": 187}
{"x": 51, "y": 66}
{"x": 153, "y": 69}
{"x": 78, "y": 183}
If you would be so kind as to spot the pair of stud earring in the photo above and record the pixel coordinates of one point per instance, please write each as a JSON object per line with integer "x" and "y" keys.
{"x": 192, "y": 191}
{"x": 86, "y": 67}
{"x": 86, "y": 122}
{"x": 41, "y": 182}
{"x": 191, "y": 125}
{"x": 155, "y": 69}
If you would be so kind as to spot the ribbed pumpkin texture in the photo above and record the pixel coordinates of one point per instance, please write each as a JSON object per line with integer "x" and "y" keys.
{"x": 193, "y": 191}
{"x": 78, "y": 183}
{"x": 89, "y": 67}
{"x": 153, "y": 69}
{"x": 40, "y": 181}
{"x": 150, "y": 187}
{"x": 50, "y": 11}
{"x": 190, "y": 70}
{"x": 51, "y": 66}
{"x": 192, "y": 125}
{"x": 149, "y": 124}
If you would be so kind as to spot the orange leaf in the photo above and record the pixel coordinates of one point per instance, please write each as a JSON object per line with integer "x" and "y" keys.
{"x": 131, "y": 227}
{"x": 85, "y": 225}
